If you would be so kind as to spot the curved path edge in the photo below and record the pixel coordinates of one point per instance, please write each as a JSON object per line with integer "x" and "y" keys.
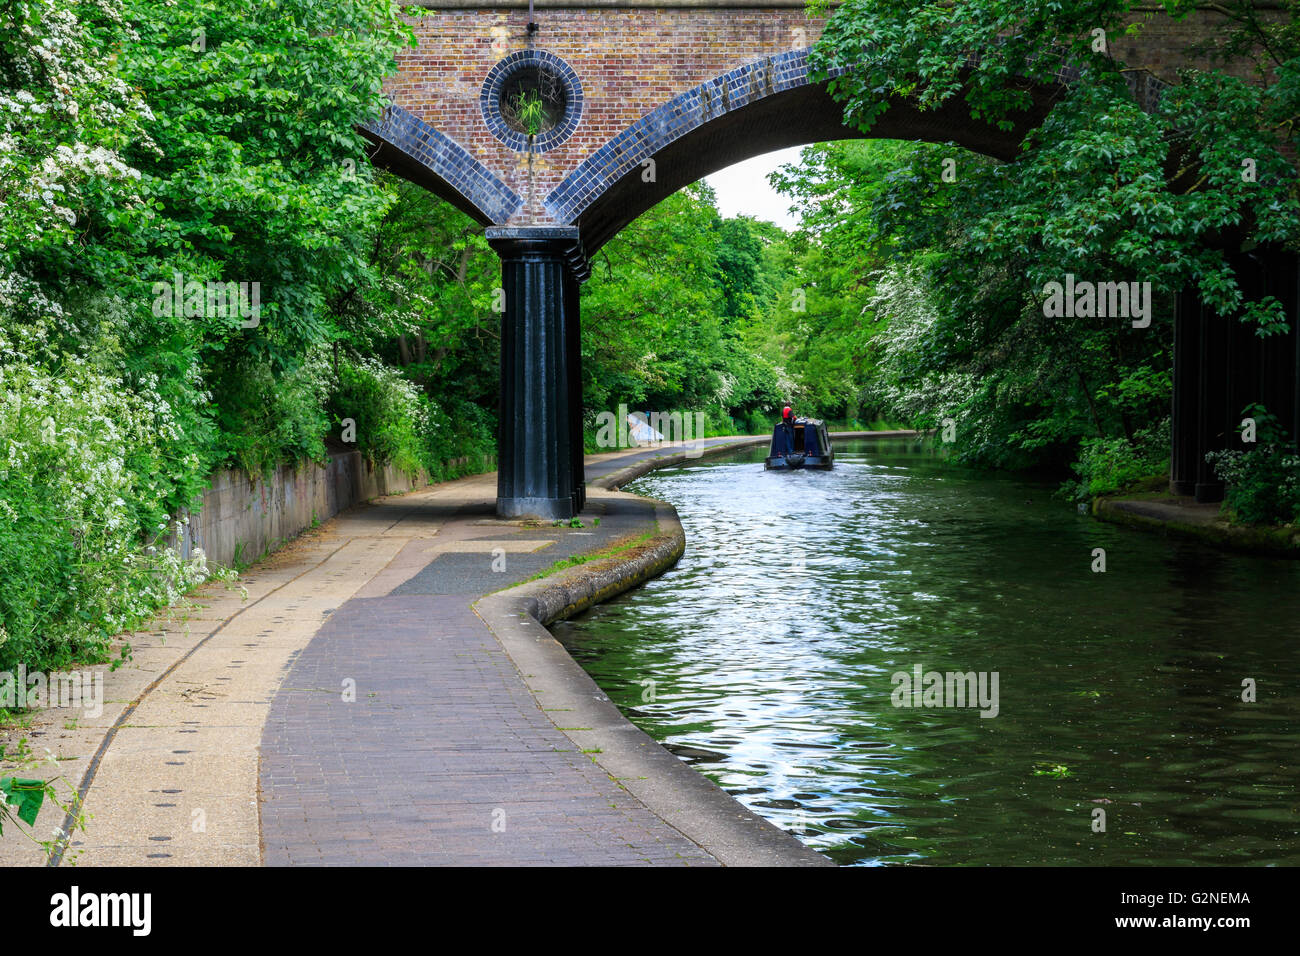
{"x": 681, "y": 797}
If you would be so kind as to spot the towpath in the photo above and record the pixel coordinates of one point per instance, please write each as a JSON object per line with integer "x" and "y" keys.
{"x": 382, "y": 694}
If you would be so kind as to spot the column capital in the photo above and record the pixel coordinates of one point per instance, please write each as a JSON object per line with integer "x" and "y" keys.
{"x": 562, "y": 242}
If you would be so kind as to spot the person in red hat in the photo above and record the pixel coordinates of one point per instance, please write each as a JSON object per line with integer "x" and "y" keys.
{"x": 787, "y": 422}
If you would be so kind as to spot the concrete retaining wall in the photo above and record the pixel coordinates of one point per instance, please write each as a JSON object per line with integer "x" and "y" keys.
{"x": 242, "y": 516}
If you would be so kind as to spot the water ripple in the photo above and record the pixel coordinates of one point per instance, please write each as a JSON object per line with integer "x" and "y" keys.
{"x": 772, "y": 644}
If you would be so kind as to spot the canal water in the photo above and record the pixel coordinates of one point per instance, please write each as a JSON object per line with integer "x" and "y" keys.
{"x": 772, "y": 659}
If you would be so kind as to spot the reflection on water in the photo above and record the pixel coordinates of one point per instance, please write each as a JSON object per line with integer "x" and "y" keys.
{"x": 772, "y": 644}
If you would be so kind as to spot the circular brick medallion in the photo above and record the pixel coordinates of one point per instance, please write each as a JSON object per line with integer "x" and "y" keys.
{"x": 531, "y": 90}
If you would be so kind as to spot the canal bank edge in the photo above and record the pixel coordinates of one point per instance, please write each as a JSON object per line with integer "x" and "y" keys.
{"x": 678, "y": 795}
{"x": 1203, "y": 522}
{"x": 683, "y": 798}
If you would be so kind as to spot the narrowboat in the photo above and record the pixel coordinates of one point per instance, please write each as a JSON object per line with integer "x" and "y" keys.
{"x": 802, "y": 444}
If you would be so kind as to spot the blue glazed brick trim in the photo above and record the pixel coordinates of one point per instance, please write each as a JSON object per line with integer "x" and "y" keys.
{"x": 489, "y": 99}
{"x": 449, "y": 161}
{"x": 661, "y": 126}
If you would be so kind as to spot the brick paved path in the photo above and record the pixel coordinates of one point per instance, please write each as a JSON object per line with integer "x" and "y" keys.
{"x": 444, "y": 756}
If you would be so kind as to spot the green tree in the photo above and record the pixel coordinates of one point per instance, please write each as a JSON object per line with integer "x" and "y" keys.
{"x": 1101, "y": 190}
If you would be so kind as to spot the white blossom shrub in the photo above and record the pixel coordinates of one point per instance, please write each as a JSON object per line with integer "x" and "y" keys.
{"x": 906, "y": 386}
{"x": 108, "y": 422}
{"x": 395, "y": 423}
{"x": 82, "y": 492}
{"x": 64, "y": 116}
{"x": 1263, "y": 478}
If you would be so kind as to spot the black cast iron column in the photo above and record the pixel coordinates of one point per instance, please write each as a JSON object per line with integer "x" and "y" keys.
{"x": 1185, "y": 427}
{"x": 1278, "y": 353}
{"x": 1222, "y": 367}
{"x": 1291, "y": 281}
{"x": 1211, "y": 400}
{"x": 573, "y": 353}
{"x": 535, "y": 470}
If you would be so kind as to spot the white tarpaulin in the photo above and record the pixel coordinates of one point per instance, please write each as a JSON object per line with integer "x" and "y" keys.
{"x": 639, "y": 430}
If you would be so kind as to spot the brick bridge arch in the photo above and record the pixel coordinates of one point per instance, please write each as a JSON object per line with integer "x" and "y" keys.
{"x": 695, "y": 86}
{"x": 753, "y": 109}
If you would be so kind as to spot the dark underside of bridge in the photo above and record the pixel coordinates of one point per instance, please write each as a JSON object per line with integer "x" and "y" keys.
{"x": 795, "y": 117}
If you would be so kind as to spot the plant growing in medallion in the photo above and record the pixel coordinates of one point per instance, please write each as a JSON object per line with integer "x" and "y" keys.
{"x": 531, "y": 112}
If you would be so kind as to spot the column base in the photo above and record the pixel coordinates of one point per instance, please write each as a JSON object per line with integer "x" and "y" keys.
{"x": 547, "y": 508}
{"x": 1209, "y": 492}
{"x": 1182, "y": 488}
